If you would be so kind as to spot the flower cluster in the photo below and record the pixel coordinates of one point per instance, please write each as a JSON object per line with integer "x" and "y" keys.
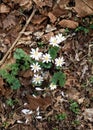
{"x": 56, "y": 40}
{"x": 46, "y": 60}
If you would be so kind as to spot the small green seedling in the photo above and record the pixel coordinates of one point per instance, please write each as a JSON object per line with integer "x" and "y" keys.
{"x": 81, "y": 28}
{"x": 59, "y": 78}
{"x": 62, "y": 116}
{"x": 74, "y": 107}
{"x": 10, "y": 75}
{"x": 10, "y": 102}
{"x": 75, "y": 122}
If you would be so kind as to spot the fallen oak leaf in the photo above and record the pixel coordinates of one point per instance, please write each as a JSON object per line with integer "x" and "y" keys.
{"x": 35, "y": 102}
{"x": 9, "y": 21}
{"x": 52, "y": 17}
{"x": 68, "y": 24}
{"x": 83, "y": 7}
{"x": 41, "y": 3}
{"x": 38, "y": 19}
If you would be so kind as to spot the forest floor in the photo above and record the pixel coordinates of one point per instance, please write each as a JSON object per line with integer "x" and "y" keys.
{"x": 63, "y": 99}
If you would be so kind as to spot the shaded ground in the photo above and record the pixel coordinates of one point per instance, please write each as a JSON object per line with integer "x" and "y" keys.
{"x": 65, "y": 108}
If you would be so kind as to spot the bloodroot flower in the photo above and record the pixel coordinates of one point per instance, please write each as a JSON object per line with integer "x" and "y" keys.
{"x": 60, "y": 38}
{"x": 35, "y": 67}
{"x": 53, "y": 41}
{"x": 46, "y": 58}
{"x": 59, "y": 61}
{"x": 52, "y": 86}
{"x": 37, "y": 79}
{"x": 35, "y": 54}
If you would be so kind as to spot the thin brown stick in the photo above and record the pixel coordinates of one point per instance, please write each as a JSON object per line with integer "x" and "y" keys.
{"x": 87, "y": 4}
{"x": 20, "y": 34}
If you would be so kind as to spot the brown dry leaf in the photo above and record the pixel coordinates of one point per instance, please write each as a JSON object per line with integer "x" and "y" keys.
{"x": 9, "y": 21}
{"x": 27, "y": 74}
{"x": 88, "y": 114}
{"x": 68, "y": 24}
{"x": 84, "y": 7}
{"x": 22, "y": 127}
{"x": 50, "y": 28}
{"x": 52, "y": 17}
{"x": 57, "y": 11}
{"x": 70, "y": 81}
{"x": 41, "y": 3}
{"x": 63, "y": 3}
{"x": 34, "y": 103}
{"x": 67, "y": 47}
{"x": 4, "y": 8}
{"x": 25, "y": 40}
{"x": 38, "y": 19}
{"x": 73, "y": 94}
{"x": 47, "y": 36}
{"x": 25, "y": 4}
{"x": 5, "y": 92}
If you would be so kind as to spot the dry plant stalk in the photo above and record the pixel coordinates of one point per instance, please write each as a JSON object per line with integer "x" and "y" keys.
{"x": 19, "y": 36}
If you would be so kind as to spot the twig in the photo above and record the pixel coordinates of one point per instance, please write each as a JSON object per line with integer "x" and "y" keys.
{"x": 20, "y": 34}
{"x": 87, "y": 4}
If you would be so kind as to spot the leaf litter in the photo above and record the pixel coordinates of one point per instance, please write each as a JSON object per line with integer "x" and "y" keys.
{"x": 42, "y": 108}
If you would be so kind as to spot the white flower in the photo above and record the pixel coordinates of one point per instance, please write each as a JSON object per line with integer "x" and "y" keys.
{"x": 53, "y": 41}
{"x": 52, "y": 86}
{"x": 59, "y": 61}
{"x": 46, "y": 58}
{"x": 35, "y": 54}
{"x": 26, "y": 111}
{"x": 37, "y": 79}
{"x": 60, "y": 38}
{"x": 35, "y": 67}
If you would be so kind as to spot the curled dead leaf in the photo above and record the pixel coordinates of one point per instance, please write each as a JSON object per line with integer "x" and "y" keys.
{"x": 52, "y": 17}
{"x": 84, "y": 7}
{"x": 26, "y": 4}
{"x": 4, "y": 8}
{"x": 9, "y": 21}
{"x": 38, "y": 19}
{"x": 68, "y": 24}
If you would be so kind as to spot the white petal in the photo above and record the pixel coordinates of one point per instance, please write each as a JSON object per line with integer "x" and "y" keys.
{"x": 26, "y": 111}
{"x": 38, "y": 117}
{"x": 20, "y": 122}
{"x": 39, "y": 89}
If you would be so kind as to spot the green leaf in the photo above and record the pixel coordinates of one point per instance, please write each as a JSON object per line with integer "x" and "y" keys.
{"x": 62, "y": 79}
{"x": 19, "y": 53}
{"x": 53, "y": 52}
{"x": 4, "y": 73}
{"x": 59, "y": 78}
{"x": 10, "y": 79}
{"x": 46, "y": 65}
{"x": 22, "y": 59}
{"x": 91, "y": 26}
{"x": 16, "y": 84}
{"x": 14, "y": 69}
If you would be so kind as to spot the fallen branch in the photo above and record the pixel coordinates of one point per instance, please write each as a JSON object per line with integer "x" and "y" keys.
{"x": 20, "y": 34}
